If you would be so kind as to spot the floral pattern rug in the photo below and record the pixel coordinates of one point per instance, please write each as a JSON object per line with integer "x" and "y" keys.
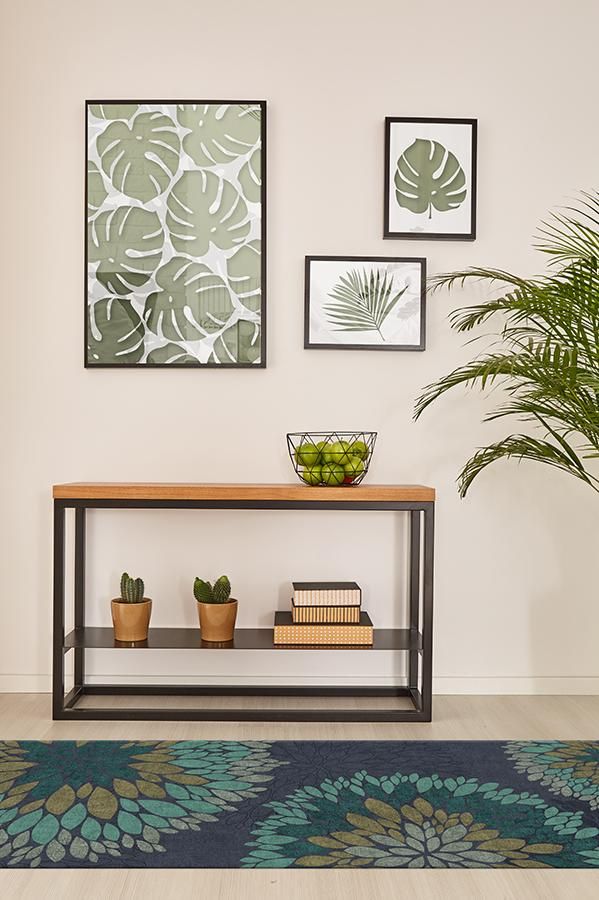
{"x": 299, "y": 804}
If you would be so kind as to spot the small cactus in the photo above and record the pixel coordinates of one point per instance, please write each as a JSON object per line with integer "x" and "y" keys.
{"x": 222, "y": 589}
{"x": 204, "y": 592}
{"x": 132, "y": 589}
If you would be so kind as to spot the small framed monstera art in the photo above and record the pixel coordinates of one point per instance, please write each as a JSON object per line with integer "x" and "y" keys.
{"x": 430, "y": 178}
{"x": 364, "y": 303}
{"x": 175, "y": 223}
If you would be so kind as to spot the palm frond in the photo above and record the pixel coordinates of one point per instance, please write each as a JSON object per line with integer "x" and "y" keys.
{"x": 547, "y": 360}
{"x": 520, "y": 446}
{"x": 363, "y": 301}
{"x": 573, "y": 234}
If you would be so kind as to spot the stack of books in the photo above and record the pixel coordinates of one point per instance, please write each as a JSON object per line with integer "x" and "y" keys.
{"x": 324, "y": 613}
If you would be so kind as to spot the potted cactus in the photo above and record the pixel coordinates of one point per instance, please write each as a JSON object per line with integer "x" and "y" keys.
{"x": 216, "y": 610}
{"x": 131, "y": 611}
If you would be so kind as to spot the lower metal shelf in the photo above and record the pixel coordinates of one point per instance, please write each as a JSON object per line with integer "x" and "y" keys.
{"x": 245, "y": 639}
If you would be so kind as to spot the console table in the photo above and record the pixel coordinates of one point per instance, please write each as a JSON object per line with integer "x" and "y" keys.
{"x": 417, "y": 501}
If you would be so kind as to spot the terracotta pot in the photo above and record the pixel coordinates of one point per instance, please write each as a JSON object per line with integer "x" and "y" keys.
{"x": 131, "y": 620}
{"x": 217, "y": 620}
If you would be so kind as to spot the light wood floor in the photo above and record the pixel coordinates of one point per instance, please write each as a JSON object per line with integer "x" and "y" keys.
{"x": 25, "y": 716}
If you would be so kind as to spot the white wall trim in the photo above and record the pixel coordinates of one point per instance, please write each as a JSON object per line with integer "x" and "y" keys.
{"x": 442, "y": 684}
{"x": 25, "y": 684}
{"x": 517, "y": 684}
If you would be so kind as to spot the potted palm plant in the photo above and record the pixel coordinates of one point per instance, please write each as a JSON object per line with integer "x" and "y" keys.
{"x": 131, "y": 611}
{"x": 546, "y": 353}
{"x": 216, "y": 610}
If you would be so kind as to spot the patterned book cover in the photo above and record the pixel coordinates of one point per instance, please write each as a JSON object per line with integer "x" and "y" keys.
{"x": 286, "y": 632}
{"x": 325, "y": 615}
{"x": 326, "y": 593}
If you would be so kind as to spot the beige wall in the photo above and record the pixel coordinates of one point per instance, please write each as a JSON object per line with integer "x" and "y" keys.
{"x": 516, "y": 563}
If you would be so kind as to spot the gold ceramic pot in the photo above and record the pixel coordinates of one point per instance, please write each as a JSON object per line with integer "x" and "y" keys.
{"x": 217, "y": 620}
{"x": 131, "y": 620}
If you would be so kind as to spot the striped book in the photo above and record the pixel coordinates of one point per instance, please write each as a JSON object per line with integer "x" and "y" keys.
{"x": 326, "y": 593}
{"x": 286, "y": 632}
{"x": 325, "y": 614}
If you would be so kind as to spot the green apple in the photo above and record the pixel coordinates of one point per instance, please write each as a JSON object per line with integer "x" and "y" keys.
{"x": 359, "y": 448}
{"x": 332, "y": 473}
{"x": 312, "y": 476}
{"x": 307, "y": 455}
{"x": 353, "y": 467}
{"x": 338, "y": 452}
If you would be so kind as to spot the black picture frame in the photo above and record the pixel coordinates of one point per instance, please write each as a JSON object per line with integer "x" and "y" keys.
{"x": 311, "y": 345}
{"x": 430, "y": 236}
{"x": 263, "y": 233}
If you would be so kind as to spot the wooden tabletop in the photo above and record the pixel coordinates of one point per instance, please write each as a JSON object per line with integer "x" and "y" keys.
{"x": 181, "y": 491}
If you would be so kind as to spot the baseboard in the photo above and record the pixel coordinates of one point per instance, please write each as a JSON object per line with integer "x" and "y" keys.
{"x": 25, "y": 684}
{"x": 516, "y": 684}
{"x": 442, "y": 684}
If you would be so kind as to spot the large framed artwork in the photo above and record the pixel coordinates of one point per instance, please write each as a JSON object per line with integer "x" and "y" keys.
{"x": 365, "y": 303}
{"x": 175, "y": 253}
{"x": 430, "y": 178}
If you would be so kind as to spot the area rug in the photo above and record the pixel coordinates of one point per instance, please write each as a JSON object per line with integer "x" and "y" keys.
{"x": 299, "y": 804}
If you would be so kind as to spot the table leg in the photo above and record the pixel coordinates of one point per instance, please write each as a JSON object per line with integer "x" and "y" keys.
{"x": 427, "y": 610}
{"x": 79, "y": 591}
{"x": 58, "y": 614}
{"x": 414, "y": 589}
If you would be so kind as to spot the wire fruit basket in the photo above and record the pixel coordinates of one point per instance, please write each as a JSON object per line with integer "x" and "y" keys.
{"x": 331, "y": 458}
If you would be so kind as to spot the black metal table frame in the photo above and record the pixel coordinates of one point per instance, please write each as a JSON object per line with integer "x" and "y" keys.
{"x": 420, "y": 599}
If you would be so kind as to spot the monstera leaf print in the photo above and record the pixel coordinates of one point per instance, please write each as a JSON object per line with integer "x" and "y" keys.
{"x": 204, "y": 208}
{"x": 244, "y": 271}
{"x": 174, "y": 263}
{"x": 240, "y": 343}
{"x": 219, "y": 133}
{"x": 115, "y": 332}
{"x": 127, "y": 244}
{"x": 170, "y": 354}
{"x": 142, "y": 158}
{"x": 193, "y": 301}
{"x": 112, "y": 110}
{"x": 429, "y": 176}
{"x": 250, "y": 177}
{"x": 96, "y": 191}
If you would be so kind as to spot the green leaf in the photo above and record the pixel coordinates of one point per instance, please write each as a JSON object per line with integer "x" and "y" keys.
{"x": 126, "y": 242}
{"x": 240, "y": 343}
{"x": 171, "y": 354}
{"x": 244, "y": 271}
{"x": 163, "y": 808}
{"x": 219, "y": 133}
{"x": 547, "y": 361}
{"x": 129, "y": 823}
{"x": 96, "y": 191}
{"x": 250, "y": 177}
{"x": 115, "y": 332}
{"x": 465, "y": 789}
{"x": 429, "y": 176}
{"x": 204, "y": 208}
{"x": 193, "y": 301}
{"x": 140, "y": 159}
{"x": 113, "y": 110}
{"x": 363, "y": 300}
{"x": 79, "y": 848}
{"x": 25, "y": 822}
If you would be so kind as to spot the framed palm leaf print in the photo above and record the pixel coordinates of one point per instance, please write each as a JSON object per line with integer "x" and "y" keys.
{"x": 175, "y": 233}
{"x": 365, "y": 303}
{"x": 430, "y": 178}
